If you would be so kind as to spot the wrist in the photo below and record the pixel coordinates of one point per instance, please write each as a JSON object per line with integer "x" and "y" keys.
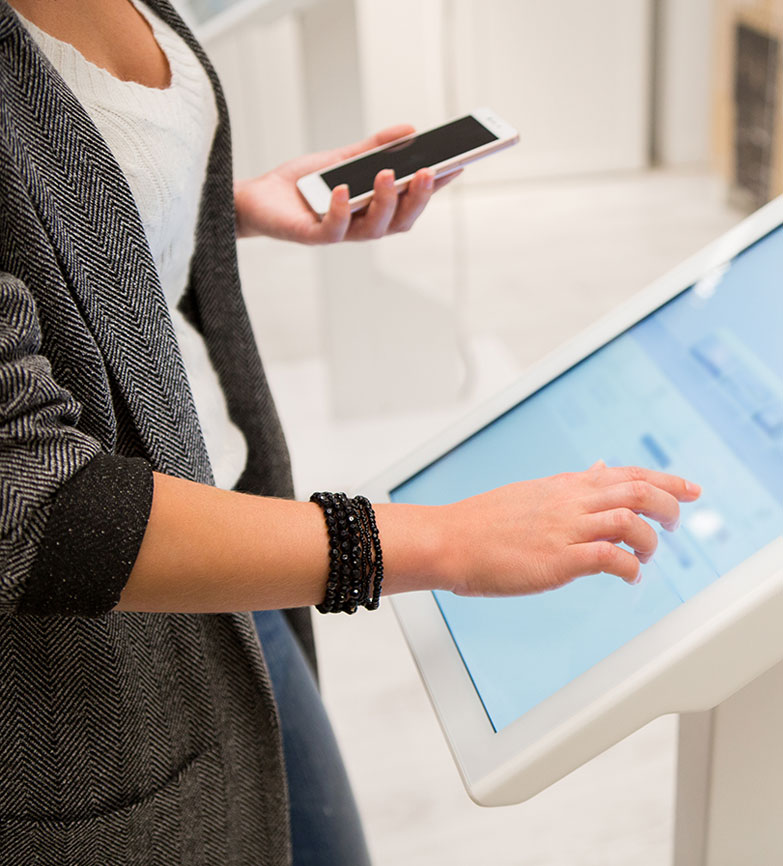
{"x": 240, "y": 220}
{"x": 415, "y": 544}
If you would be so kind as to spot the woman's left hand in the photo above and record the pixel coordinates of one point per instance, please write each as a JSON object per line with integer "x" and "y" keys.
{"x": 272, "y": 205}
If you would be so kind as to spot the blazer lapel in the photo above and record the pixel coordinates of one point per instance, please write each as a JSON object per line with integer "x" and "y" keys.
{"x": 89, "y": 213}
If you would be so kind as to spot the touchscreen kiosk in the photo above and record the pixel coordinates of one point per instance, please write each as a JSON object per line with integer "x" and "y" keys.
{"x": 687, "y": 379}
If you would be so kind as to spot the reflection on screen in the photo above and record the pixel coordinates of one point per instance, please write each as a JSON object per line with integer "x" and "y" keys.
{"x": 695, "y": 389}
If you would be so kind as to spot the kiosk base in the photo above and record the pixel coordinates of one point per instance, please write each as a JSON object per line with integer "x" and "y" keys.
{"x": 730, "y": 780}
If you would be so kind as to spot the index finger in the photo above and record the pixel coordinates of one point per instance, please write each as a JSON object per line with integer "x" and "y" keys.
{"x": 334, "y": 225}
{"x": 639, "y": 496}
{"x": 682, "y": 489}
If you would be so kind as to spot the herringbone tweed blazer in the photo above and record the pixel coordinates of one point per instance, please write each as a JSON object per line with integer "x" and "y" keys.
{"x": 125, "y": 739}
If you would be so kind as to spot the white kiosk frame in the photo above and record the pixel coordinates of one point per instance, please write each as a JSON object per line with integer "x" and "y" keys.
{"x": 718, "y": 660}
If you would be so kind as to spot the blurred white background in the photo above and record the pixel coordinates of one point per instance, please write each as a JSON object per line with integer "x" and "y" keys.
{"x": 373, "y": 348}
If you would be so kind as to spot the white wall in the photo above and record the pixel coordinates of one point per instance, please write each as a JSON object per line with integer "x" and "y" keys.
{"x": 685, "y": 67}
{"x": 574, "y": 77}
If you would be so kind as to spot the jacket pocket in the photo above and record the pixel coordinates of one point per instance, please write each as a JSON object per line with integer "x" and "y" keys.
{"x": 182, "y": 823}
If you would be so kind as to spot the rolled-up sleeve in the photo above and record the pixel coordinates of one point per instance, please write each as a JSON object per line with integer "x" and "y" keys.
{"x": 72, "y": 518}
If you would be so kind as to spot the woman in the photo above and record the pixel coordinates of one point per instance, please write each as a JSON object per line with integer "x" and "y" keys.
{"x": 138, "y": 720}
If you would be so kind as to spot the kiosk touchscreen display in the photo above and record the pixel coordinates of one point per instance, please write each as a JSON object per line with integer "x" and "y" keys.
{"x": 695, "y": 388}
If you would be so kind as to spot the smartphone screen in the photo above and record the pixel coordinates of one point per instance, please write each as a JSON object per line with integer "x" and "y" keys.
{"x": 407, "y": 157}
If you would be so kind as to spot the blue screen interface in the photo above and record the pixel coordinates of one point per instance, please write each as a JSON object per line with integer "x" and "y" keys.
{"x": 696, "y": 389}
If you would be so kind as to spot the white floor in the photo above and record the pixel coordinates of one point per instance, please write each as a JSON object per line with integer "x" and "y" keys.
{"x": 541, "y": 261}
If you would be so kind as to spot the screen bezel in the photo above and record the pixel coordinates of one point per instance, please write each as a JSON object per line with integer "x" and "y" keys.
{"x": 560, "y": 733}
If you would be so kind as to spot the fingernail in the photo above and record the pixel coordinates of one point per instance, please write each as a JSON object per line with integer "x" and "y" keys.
{"x": 692, "y": 488}
{"x": 341, "y": 192}
{"x": 430, "y": 181}
{"x": 638, "y": 579}
{"x": 388, "y": 177}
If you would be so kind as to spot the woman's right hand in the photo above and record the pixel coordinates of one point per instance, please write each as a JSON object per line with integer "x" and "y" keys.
{"x": 538, "y": 535}
{"x": 207, "y": 550}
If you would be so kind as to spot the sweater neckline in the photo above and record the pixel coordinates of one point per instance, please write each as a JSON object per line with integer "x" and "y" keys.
{"x": 159, "y": 32}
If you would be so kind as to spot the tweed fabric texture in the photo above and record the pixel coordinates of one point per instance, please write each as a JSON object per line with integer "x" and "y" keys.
{"x": 130, "y": 739}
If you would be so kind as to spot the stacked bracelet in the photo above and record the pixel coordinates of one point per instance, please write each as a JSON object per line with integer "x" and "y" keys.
{"x": 355, "y": 558}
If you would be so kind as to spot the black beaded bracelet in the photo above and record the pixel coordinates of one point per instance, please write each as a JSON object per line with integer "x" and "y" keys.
{"x": 355, "y": 558}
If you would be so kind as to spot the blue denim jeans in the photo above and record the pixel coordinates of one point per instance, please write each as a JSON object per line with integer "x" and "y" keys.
{"x": 325, "y": 825}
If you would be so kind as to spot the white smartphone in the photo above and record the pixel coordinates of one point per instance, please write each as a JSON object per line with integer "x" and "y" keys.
{"x": 445, "y": 148}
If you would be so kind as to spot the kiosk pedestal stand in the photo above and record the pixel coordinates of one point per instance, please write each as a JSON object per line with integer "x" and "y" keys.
{"x": 730, "y": 780}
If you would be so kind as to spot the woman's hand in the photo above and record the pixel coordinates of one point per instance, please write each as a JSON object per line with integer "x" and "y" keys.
{"x": 539, "y": 535}
{"x": 272, "y": 205}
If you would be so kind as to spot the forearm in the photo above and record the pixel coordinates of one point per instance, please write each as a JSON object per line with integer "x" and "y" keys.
{"x": 208, "y": 550}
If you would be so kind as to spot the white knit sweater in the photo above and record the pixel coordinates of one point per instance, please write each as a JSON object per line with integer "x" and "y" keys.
{"x": 161, "y": 139}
